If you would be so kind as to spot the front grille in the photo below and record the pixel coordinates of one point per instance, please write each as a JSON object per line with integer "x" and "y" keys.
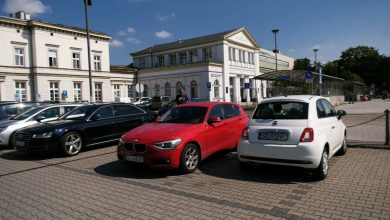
{"x": 140, "y": 148}
{"x": 128, "y": 146}
{"x": 22, "y": 137}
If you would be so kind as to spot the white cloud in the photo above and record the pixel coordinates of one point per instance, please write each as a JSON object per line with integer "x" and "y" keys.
{"x": 122, "y": 33}
{"x": 291, "y": 50}
{"x": 133, "y": 40}
{"x": 34, "y": 7}
{"x": 116, "y": 43}
{"x": 163, "y": 34}
{"x": 131, "y": 30}
{"x": 165, "y": 17}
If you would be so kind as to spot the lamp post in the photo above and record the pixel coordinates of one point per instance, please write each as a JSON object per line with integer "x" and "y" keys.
{"x": 86, "y": 4}
{"x": 315, "y": 58}
{"x": 275, "y": 31}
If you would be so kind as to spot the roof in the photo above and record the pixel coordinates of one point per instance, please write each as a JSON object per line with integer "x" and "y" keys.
{"x": 292, "y": 76}
{"x": 304, "y": 98}
{"x": 121, "y": 69}
{"x": 204, "y": 104}
{"x": 194, "y": 41}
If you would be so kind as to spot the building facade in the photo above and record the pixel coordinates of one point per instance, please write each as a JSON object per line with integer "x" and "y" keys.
{"x": 42, "y": 61}
{"x": 214, "y": 67}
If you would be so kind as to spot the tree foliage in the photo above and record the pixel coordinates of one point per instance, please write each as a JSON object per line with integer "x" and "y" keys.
{"x": 302, "y": 64}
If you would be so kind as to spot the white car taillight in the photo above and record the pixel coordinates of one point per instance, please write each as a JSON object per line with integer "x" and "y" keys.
{"x": 307, "y": 135}
{"x": 245, "y": 134}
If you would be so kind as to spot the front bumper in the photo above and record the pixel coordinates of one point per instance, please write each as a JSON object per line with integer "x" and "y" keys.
{"x": 29, "y": 144}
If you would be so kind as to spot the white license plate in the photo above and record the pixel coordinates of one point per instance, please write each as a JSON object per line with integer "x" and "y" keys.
{"x": 274, "y": 136}
{"x": 134, "y": 158}
{"x": 19, "y": 143}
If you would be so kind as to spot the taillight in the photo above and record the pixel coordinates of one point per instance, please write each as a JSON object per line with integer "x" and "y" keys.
{"x": 245, "y": 134}
{"x": 307, "y": 135}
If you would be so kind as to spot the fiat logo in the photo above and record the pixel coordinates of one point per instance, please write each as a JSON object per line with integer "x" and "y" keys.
{"x": 274, "y": 123}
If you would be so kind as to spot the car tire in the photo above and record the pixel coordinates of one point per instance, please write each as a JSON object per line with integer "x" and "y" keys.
{"x": 71, "y": 144}
{"x": 245, "y": 165}
{"x": 190, "y": 158}
{"x": 343, "y": 149}
{"x": 321, "y": 172}
{"x": 11, "y": 139}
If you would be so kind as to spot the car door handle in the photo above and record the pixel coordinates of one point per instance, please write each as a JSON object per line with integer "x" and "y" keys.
{"x": 333, "y": 127}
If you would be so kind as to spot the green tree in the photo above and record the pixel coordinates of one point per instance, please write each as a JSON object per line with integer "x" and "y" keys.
{"x": 302, "y": 64}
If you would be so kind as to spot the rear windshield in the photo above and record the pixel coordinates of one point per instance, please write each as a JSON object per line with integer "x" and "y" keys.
{"x": 281, "y": 110}
{"x": 156, "y": 99}
{"x": 165, "y": 98}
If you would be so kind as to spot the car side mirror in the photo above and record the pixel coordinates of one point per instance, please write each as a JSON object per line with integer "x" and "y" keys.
{"x": 39, "y": 118}
{"x": 214, "y": 119}
{"x": 96, "y": 117}
{"x": 341, "y": 113}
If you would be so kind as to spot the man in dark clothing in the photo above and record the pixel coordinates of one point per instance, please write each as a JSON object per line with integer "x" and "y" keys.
{"x": 181, "y": 98}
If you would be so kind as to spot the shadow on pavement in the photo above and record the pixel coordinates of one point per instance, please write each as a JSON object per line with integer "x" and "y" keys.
{"x": 227, "y": 166}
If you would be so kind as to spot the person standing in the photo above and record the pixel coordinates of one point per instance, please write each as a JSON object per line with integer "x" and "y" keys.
{"x": 181, "y": 98}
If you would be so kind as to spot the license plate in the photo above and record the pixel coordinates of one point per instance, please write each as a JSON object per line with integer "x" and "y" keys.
{"x": 19, "y": 143}
{"x": 137, "y": 159}
{"x": 273, "y": 136}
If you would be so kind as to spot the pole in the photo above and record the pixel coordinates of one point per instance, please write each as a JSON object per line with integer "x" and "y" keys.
{"x": 275, "y": 31}
{"x": 86, "y": 3}
{"x": 387, "y": 141}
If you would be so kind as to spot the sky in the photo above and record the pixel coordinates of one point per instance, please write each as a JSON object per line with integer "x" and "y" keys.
{"x": 331, "y": 26}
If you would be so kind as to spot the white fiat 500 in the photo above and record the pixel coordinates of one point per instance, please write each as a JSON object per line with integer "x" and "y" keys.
{"x": 303, "y": 131}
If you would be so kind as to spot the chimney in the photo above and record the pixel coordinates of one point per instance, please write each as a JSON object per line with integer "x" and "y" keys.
{"x": 22, "y": 15}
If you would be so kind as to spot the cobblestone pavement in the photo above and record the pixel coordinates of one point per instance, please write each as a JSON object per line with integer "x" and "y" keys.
{"x": 93, "y": 185}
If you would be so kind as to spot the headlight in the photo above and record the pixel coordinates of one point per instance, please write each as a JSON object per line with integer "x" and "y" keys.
{"x": 167, "y": 145}
{"x": 3, "y": 128}
{"x": 120, "y": 142}
{"x": 43, "y": 135}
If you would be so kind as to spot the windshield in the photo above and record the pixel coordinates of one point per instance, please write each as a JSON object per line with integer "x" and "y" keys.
{"x": 281, "y": 110}
{"x": 79, "y": 113}
{"x": 27, "y": 114}
{"x": 184, "y": 115}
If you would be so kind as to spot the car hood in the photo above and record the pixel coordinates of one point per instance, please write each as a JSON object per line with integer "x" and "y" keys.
{"x": 162, "y": 131}
{"x": 6, "y": 123}
{"x": 50, "y": 126}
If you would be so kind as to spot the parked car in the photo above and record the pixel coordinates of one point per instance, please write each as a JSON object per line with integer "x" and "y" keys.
{"x": 37, "y": 114}
{"x": 302, "y": 131}
{"x": 143, "y": 102}
{"x": 184, "y": 135}
{"x": 84, "y": 126}
{"x": 158, "y": 101}
{"x": 10, "y": 109}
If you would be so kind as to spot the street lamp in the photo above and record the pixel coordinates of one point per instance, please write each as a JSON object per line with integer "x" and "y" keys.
{"x": 275, "y": 31}
{"x": 86, "y": 4}
{"x": 315, "y": 58}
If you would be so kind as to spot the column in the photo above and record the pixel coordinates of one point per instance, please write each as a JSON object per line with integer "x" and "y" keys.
{"x": 236, "y": 89}
{"x": 246, "y": 91}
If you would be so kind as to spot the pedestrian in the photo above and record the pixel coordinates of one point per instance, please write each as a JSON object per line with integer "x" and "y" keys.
{"x": 181, "y": 98}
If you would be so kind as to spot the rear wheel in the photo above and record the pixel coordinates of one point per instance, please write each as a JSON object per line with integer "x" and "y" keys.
{"x": 71, "y": 144}
{"x": 190, "y": 158}
{"x": 244, "y": 165}
{"x": 321, "y": 172}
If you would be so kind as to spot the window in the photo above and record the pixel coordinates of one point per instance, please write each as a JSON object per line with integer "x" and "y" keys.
{"x": 216, "y": 111}
{"x": 194, "y": 89}
{"x": 53, "y": 58}
{"x": 76, "y": 60}
{"x": 281, "y": 110}
{"x": 157, "y": 89}
{"x": 122, "y": 110}
{"x": 129, "y": 90}
{"x": 142, "y": 62}
{"x": 167, "y": 89}
{"x": 20, "y": 90}
{"x": 183, "y": 57}
{"x": 320, "y": 109}
{"x": 216, "y": 89}
{"x": 105, "y": 112}
{"x": 179, "y": 86}
{"x": 244, "y": 57}
{"x": 54, "y": 92}
{"x": 172, "y": 59}
{"x": 97, "y": 62}
{"x": 230, "y": 53}
{"x": 50, "y": 113}
{"x": 145, "y": 93}
{"x": 19, "y": 56}
{"x": 234, "y": 54}
{"x": 207, "y": 54}
{"x": 329, "y": 110}
{"x": 77, "y": 91}
{"x": 230, "y": 110}
{"x": 98, "y": 92}
{"x": 240, "y": 55}
{"x": 249, "y": 58}
{"x": 117, "y": 91}
{"x": 161, "y": 60}
{"x": 193, "y": 56}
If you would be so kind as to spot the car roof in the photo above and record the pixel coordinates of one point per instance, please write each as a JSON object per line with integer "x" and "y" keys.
{"x": 205, "y": 104}
{"x": 301, "y": 98}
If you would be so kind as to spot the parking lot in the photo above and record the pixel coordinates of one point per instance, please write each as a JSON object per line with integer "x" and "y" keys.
{"x": 94, "y": 185}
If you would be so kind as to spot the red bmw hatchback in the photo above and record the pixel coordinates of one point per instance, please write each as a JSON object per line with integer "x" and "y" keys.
{"x": 184, "y": 135}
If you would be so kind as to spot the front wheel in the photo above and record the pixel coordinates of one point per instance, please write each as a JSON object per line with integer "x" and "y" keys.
{"x": 190, "y": 158}
{"x": 71, "y": 144}
{"x": 321, "y": 172}
{"x": 343, "y": 149}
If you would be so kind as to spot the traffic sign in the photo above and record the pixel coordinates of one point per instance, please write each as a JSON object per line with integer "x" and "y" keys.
{"x": 139, "y": 88}
{"x": 309, "y": 75}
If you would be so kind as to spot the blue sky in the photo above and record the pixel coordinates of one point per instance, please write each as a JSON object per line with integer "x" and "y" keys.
{"x": 331, "y": 26}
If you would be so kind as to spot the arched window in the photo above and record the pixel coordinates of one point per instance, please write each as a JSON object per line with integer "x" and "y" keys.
{"x": 146, "y": 91}
{"x": 216, "y": 89}
{"x": 157, "y": 89}
{"x": 178, "y": 87}
{"x": 167, "y": 89}
{"x": 194, "y": 89}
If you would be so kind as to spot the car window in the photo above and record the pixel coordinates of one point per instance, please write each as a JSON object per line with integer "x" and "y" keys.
{"x": 230, "y": 110}
{"x": 121, "y": 110}
{"x": 166, "y": 98}
{"x": 216, "y": 111}
{"x": 68, "y": 108}
{"x": 281, "y": 110}
{"x": 105, "y": 112}
{"x": 27, "y": 114}
{"x": 80, "y": 113}
{"x": 11, "y": 110}
{"x": 329, "y": 110}
{"x": 187, "y": 114}
{"x": 156, "y": 99}
{"x": 50, "y": 113}
{"x": 320, "y": 109}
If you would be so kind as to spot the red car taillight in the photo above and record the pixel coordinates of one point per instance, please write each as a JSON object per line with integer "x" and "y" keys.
{"x": 307, "y": 135}
{"x": 245, "y": 134}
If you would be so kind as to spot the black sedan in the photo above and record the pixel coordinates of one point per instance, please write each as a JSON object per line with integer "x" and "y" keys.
{"x": 82, "y": 127}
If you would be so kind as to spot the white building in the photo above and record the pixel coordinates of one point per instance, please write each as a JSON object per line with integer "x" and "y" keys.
{"x": 42, "y": 61}
{"x": 214, "y": 67}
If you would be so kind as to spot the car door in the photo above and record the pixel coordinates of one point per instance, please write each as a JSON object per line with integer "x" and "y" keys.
{"x": 232, "y": 120}
{"x": 100, "y": 126}
{"x": 127, "y": 117}
{"x": 49, "y": 114}
{"x": 216, "y": 133}
{"x": 335, "y": 125}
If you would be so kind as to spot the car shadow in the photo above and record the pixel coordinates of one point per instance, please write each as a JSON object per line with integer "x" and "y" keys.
{"x": 226, "y": 165}
{"x": 122, "y": 170}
